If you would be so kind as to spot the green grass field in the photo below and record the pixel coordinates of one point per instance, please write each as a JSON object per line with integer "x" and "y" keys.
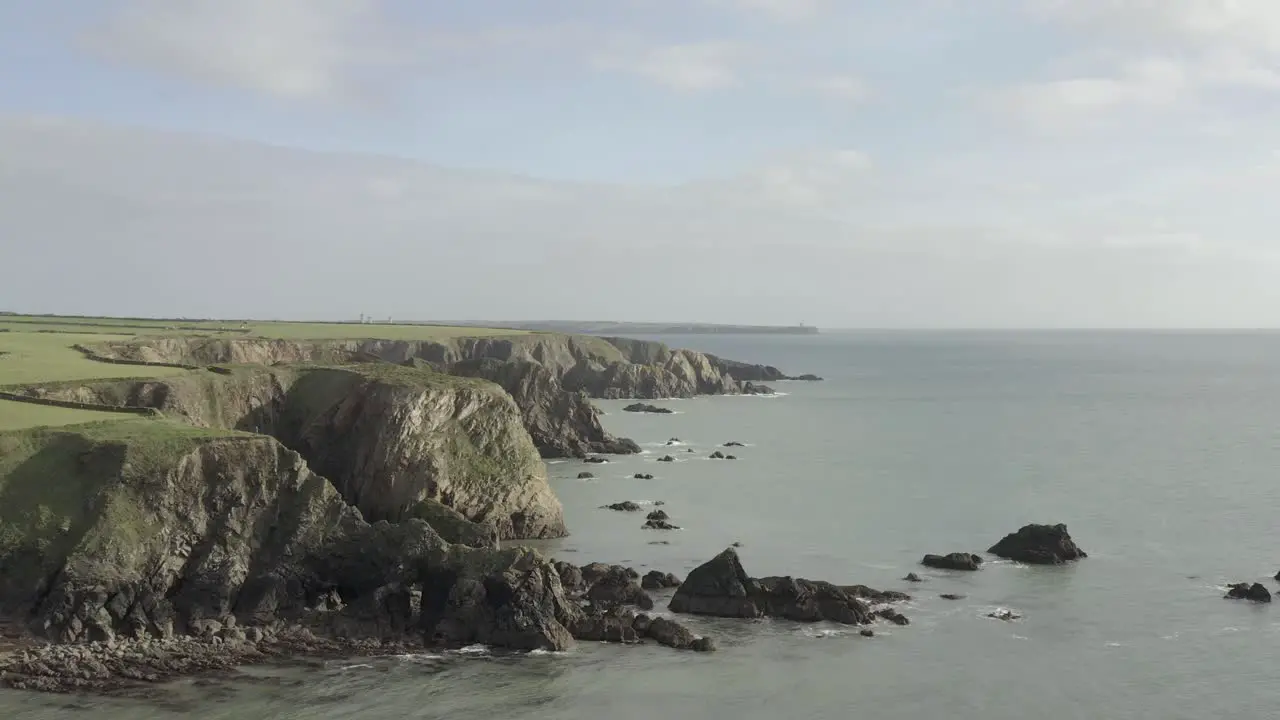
{"x": 38, "y": 349}
{"x": 237, "y": 328}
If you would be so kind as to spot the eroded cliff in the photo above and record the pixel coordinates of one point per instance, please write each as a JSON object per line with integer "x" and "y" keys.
{"x": 150, "y": 528}
{"x": 391, "y": 439}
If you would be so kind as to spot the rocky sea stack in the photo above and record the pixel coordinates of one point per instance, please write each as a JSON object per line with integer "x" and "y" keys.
{"x": 1039, "y": 545}
{"x": 721, "y": 587}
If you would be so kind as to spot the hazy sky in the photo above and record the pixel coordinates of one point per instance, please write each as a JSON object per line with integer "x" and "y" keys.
{"x": 846, "y": 163}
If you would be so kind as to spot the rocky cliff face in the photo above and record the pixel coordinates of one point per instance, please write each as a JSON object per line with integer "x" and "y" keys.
{"x": 561, "y": 423}
{"x": 155, "y": 528}
{"x": 600, "y": 367}
{"x": 391, "y": 438}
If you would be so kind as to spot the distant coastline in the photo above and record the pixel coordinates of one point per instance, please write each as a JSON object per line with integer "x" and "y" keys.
{"x": 642, "y": 328}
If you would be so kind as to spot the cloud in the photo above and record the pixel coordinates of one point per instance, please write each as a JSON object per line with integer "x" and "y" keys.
{"x": 838, "y": 87}
{"x": 171, "y": 224}
{"x": 294, "y": 49}
{"x": 786, "y": 10}
{"x": 692, "y": 67}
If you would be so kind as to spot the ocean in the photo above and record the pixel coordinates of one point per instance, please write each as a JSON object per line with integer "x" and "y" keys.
{"x": 1158, "y": 450}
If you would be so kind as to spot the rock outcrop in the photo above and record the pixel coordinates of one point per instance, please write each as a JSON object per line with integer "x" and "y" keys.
{"x": 1249, "y": 591}
{"x": 1039, "y": 545}
{"x": 721, "y": 587}
{"x": 561, "y": 423}
{"x": 389, "y": 437}
{"x": 658, "y": 580}
{"x": 953, "y": 561}
{"x": 647, "y": 408}
{"x": 156, "y": 530}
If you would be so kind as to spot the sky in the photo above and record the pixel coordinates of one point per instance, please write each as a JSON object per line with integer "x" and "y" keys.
{"x": 842, "y": 163}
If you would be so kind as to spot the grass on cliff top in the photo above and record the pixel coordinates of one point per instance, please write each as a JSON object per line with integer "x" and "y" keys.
{"x": 33, "y": 357}
{"x": 49, "y": 476}
{"x": 238, "y": 328}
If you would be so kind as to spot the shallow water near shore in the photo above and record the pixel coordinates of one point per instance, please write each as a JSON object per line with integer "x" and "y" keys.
{"x": 1160, "y": 451}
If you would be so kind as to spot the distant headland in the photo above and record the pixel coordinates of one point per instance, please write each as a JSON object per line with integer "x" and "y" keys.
{"x": 605, "y": 327}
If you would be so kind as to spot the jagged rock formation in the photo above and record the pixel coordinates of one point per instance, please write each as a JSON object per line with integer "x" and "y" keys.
{"x": 721, "y": 587}
{"x": 389, "y": 437}
{"x": 953, "y": 561}
{"x": 1248, "y": 591}
{"x": 157, "y": 529}
{"x": 1039, "y": 545}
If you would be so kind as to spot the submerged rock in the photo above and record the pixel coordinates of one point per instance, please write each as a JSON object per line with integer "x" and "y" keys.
{"x": 1039, "y": 545}
{"x": 721, "y": 587}
{"x": 647, "y": 408}
{"x": 1249, "y": 591}
{"x": 1003, "y": 614}
{"x": 596, "y": 460}
{"x": 624, "y": 506}
{"x": 643, "y": 476}
{"x": 733, "y": 443}
{"x": 717, "y": 455}
{"x": 951, "y": 596}
{"x": 912, "y": 577}
{"x": 666, "y": 458}
{"x": 584, "y": 475}
{"x": 659, "y": 525}
{"x": 953, "y": 561}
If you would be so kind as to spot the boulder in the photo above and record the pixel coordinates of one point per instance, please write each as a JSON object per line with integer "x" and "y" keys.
{"x": 721, "y": 587}
{"x": 912, "y": 577}
{"x": 953, "y": 561}
{"x": 618, "y": 587}
{"x": 624, "y": 506}
{"x": 658, "y": 580}
{"x": 643, "y": 476}
{"x": 585, "y": 475}
{"x": 951, "y": 596}
{"x": 730, "y": 457}
{"x": 647, "y": 408}
{"x": 1039, "y": 545}
{"x": 657, "y": 515}
{"x": 595, "y": 460}
{"x": 666, "y": 458}
{"x": 1248, "y": 591}
{"x": 717, "y": 455}
{"x": 750, "y": 388}
{"x": 733, "y": 443}
{"x": 659, "y": 525}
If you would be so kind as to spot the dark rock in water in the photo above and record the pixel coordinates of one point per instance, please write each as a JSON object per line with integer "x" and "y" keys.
{"x": 1039, "y": 545}
{"x": 733, "y": 443}
{"x": 1248, "y": 591}
{"x": 618, "y": 587}
{"x": 657, "y": 580}
{"x": 659, "y": 503}
{"x": 673, "y": 634}
{"x": 647, "y": 408}
{"x": 689, "y": 450}
{"x": 730, "y": 457}
{"x": 1006, "y": 615}
{"x": 584, "y": 475}
{"x": 642, "y": 476}
{"x": 807, "y": 377}
{"x": 717, "y": 455}
{"x": 659, "y": 525}
{"x": 867, "y": 632}
{"x": 912, "y": 577}
{"x": 893, "y": 616}
{"x": 737, "y": 543}
{"x": 953, "y": 561}
{"x": 673, "y": 441}
{"x": 657, "y": 515}
{"x": 666, "y": 458}
{"x": 624, "y": 506}
{"x": 750, "y": 388}
{"x": 722, "y": 588}
{"x": 1278, "y": 576}
{"x": 620, "y": 624}
{"x": 951, "y": 596}
{"x": 591, "y": 572}
{"x": 595, "y": 460}
{"x": 659, "y": 542}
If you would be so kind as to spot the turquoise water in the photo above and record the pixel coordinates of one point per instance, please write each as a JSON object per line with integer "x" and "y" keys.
{"x": 1159, "y": 451}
